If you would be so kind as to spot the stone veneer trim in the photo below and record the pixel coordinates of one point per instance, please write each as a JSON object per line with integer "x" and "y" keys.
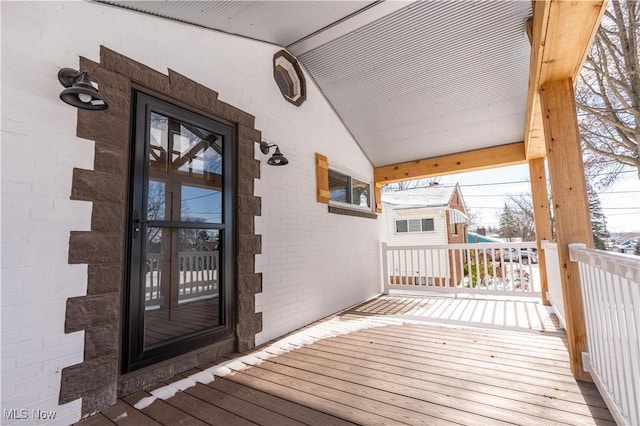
{"x": 97, "y": 380}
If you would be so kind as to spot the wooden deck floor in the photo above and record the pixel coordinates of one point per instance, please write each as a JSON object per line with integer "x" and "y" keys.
{"x": 389, "y": 361}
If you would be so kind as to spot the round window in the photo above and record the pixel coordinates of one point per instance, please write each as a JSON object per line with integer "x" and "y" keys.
{"x": 289, "y": 77}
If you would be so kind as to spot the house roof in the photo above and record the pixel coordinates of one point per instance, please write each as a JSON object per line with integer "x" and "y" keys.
{"x": 417, "y": 80}
{"x": 430, "y": 196}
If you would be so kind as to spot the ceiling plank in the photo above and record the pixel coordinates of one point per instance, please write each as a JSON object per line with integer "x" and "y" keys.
{"x": 358, "y": 19}
{"x": 562, "y": 33}
{"x": 503, "y": 155}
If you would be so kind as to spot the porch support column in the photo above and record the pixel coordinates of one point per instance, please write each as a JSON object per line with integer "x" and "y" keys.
{"x": 541, "y": 217}
{"x": 570, "y": 206}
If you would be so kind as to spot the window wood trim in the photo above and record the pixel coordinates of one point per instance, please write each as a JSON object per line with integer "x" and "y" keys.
{"x": 322, "y": 179}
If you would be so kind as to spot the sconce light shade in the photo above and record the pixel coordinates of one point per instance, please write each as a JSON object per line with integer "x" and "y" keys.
{"x": 277, "y": 159}
{"x": 79, "y": 91}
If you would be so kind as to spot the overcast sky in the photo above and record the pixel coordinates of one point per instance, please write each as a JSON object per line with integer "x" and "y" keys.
{"x": 486, "y": 191}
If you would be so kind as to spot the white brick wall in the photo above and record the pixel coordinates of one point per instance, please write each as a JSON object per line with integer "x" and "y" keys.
{"x": 313, "y": 263}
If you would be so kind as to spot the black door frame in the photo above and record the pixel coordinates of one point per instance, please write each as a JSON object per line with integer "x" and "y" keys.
{"x": 134, "y": 355}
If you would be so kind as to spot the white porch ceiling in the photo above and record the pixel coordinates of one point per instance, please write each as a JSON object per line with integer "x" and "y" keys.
{"x": 410, "y": 80}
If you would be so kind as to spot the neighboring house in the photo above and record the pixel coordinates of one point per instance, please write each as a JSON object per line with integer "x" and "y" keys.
{"x": 433, "y": 215}
{"x": 628, "y": 246}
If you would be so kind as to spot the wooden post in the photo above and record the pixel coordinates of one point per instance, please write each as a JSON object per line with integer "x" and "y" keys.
{"x": 377, "y": 197}
{"x": 570, "y": 206}
{"x": 541, "y": 217}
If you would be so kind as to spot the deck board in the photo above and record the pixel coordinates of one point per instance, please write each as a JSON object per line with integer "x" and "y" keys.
{"x": 292, "y": 410}
{"x": 416, "y": 360}
{"x": 124, "y": 414}
{"x": 165, "y": 413}
{"x": 298, "y": 391}
{"x": 238, "y": 407}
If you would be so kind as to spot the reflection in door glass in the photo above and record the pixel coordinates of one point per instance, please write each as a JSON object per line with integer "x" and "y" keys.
{"x": 181, "y": 282}
{"x": 196, "y": 152}
{"x": 156, "y": 200}
{"x": 158, "y": 142}
{"x": 200, "y": 205}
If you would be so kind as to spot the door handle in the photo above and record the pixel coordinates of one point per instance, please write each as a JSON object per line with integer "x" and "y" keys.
{"x": 137, "y": 222}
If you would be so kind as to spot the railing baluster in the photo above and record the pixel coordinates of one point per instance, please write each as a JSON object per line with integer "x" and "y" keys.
{"x": 613, "y": 346}
{"x": 413, "y": 268}
{"x": 623, "y": 353}
{"x": 433, "y": 270}
{"x": 632, "y": 307}
{"x": 454, "y": 266}
{"x": 591, "y": 314}
{"x": 611, "y": 295}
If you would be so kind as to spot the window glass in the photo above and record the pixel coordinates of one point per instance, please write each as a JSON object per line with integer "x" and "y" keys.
{"x": 338, "y": 187}
{"x": 360, "y": 193}
{"x": 401, "y": 226}
{"x": 427, "y": 225}
{"x": 414, "y": 225}
{"x": 348, "y": 190}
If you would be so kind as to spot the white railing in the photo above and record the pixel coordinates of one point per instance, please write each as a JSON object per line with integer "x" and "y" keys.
{"x": 610, "y": 285}
{"x": 198, "y": 276}
{"x": 497, "y": 268}
{"x": 554, "y": 282}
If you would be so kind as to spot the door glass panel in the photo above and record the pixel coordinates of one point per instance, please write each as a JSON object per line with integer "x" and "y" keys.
{"x": 200, "y": 204}
{"x": 182, "y": 277}
{"x": 195, "y": 152}
{"x": 158, "y": 142}
{"x": 157, "y": 200}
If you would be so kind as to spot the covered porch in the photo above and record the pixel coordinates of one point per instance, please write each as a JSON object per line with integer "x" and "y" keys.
{"x": 391, "y": 360}
{"x": 398, "y": 91}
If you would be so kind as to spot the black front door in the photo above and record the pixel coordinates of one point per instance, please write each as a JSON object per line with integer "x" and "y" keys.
{"x": 180, "y": 254}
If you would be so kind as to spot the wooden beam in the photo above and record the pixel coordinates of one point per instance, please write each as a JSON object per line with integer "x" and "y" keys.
{"x": 541, "y": 217}
{"x": 503, "y": 155}
{"x": 377, "y": 195}
{"x": 570, "y": 206}
{"x": 561, "y": 35}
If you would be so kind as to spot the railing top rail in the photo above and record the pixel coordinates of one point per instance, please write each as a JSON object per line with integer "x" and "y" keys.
{"x": 529, "y": 244}
{"x": 624, "y": 265}
{"x": 546, "y": 244}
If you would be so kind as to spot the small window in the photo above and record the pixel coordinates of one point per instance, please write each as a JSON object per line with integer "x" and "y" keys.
{"x": 415, "y": 225}
{"x": 289, "y": 78}
{"x": 348, "y": 190}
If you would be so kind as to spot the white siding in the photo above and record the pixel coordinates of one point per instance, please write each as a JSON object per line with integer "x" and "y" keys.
{"x": 437, "y": 237}
{"x": 313, "y": 263}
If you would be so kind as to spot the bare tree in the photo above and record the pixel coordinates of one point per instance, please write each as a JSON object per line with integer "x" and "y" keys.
{"x": 516, "y": 219}
{"x": 474, "y": 217}
{"x": 608, "y": 95}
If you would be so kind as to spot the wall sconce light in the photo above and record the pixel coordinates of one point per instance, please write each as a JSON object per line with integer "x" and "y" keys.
{"x": 79, "y": 91}
{"x": 277, "y": 159}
